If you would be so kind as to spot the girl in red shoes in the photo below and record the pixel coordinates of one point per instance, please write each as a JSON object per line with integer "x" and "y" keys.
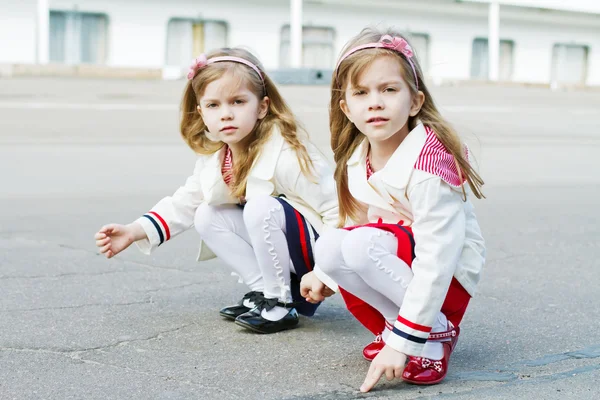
{"x": 258, "y": 196}
{"x": 411, "y": 258}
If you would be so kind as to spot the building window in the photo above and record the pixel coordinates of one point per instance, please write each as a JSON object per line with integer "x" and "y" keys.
{"x": 77, "y": 37}
{"x": 187, "y": 38}
{"x": 480, "y": 59}
{"x": 569, "y": 64}
{"x": 420, "y": 45}
{"x": 317, "y": 47}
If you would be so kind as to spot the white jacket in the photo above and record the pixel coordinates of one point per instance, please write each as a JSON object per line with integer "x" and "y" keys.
{"x": 275, "y": 172}
{"x": 448, "y": 241}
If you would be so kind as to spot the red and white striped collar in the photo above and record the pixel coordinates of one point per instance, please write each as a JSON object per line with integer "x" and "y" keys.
{"x": 421, "y": 149}
{"x": 436, "y": 160}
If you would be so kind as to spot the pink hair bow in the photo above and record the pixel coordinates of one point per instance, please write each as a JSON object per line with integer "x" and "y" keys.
{"x": 198, "y": 63}
{"x": 398, "y": 44}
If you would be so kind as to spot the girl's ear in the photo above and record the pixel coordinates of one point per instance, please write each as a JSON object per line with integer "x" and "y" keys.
{"x": 263, "y": 107}
{"x": 417, "y": 103}
{"x": 345, "y": 109}
{"x": 199, "y": 109}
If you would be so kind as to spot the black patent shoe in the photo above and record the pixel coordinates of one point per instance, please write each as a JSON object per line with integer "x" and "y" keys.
{"x": 232, "y": 312}
{"x": 254, "y": 321}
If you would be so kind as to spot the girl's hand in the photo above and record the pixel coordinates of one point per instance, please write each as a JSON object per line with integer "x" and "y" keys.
{"x": 389, "y": 362}
{"x": 114, "y": 238}
{"x": 313, "y": 290}
{"x": 327, "y": 292}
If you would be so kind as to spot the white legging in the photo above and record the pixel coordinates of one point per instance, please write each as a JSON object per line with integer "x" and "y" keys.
{"x": 251, "y": 241}
{"x": 364, "y": 262}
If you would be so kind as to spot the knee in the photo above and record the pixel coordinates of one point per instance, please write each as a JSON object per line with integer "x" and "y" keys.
{"x": 204, "y": 219}
{"x": 260, "y": 211}
{"x": 328, "y": 250}
{"x": 357, "y": 248}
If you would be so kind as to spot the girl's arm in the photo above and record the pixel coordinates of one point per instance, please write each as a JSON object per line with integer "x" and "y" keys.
{"x": 439, "y": 233}
{"x": 473, "y": 253}
{"x": 173, "y": 214}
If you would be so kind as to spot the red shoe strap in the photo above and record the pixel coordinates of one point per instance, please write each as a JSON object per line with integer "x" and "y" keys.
{"x": 442, "y": 335}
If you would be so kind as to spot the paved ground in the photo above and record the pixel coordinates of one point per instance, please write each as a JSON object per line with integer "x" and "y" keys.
{"x": 77, "y": 154}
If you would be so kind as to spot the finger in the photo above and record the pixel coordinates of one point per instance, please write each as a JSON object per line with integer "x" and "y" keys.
{"x": 99, "y": 236}
{"x": 304, "y": 291}
{"x": 375, "y": 372}
{"x": 102, "y": 242}
{"x": 110, "y": 254}
{"x": 398, "y": 372}
{"x": 105, "y": 248}
{"x": 108, "y": 229}
{"x": 389, "y": 373}
{"x": 307, "y": 297}
{"x": 316, "y": 297}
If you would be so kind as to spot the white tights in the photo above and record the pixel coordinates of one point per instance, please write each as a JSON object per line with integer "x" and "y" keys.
{"x": 252, "y": 242}
{"x": 364, "y": 262}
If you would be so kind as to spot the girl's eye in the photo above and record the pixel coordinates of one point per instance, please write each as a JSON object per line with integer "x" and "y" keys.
{"x": 390, "y": 89}
{"x": 239, "y": 101}
{"x": 359, "y": 93}
{"x": 211, "y": 105}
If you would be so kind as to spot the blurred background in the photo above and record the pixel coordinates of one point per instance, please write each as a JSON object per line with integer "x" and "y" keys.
{"x": 546, "y": 42}
{"x": 89, "y": 134}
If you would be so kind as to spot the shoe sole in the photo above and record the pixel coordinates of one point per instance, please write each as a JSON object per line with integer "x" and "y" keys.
{"x": 253, "y": 329}
{"x": 228, "y": 317}
{"x": 424, "y": 383}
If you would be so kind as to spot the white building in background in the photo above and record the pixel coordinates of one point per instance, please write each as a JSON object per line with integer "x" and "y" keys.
{"x": 533, "y": 41}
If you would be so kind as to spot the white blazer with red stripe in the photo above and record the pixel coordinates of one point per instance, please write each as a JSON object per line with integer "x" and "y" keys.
{"x": 275, "y": 172}
{"x": 420, "y": 186}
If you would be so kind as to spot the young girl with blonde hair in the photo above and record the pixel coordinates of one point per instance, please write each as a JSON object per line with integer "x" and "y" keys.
{"x": 258, "y": 196}
{"x": 411, "y": 256}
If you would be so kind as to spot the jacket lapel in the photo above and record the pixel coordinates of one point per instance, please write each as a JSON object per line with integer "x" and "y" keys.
{"x": 399, "y": 167}
{"x": 214, "y": 188}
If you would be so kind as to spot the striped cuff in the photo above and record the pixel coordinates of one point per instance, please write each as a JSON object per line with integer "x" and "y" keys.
{"x": 408, "y": 337}
{"x": 160, "y": 225}
{"x": 156, "y": 230}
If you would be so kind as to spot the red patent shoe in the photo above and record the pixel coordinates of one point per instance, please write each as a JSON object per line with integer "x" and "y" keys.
{"x": 424, "y": 371}
{"x": 372, "y": 349}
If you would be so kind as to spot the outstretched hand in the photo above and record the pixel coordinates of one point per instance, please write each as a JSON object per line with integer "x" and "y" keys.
{"x": 114, "y": 238}
{"x": 388, "y": 362}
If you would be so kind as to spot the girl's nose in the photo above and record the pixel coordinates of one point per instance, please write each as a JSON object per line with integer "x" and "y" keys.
{"x": 227, "y": 114}
{"x": 375, "y": 102}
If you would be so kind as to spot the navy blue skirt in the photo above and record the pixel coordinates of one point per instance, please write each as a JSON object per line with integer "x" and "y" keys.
{"x": 301, "y": 237}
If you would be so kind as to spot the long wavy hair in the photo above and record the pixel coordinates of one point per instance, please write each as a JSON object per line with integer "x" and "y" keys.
{"x": 345, "y": 137}
{"x": 194, "y": 130}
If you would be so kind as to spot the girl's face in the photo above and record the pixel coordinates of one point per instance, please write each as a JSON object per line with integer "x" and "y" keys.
{"x": 230, "y": 111}
{"x": 380, "y": 104}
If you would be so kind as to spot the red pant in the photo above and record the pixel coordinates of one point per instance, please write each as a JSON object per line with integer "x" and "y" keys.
{"x": 454, "y": 307}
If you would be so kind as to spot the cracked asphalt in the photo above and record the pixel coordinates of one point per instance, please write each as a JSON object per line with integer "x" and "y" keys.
{"x": 75, "y": 154}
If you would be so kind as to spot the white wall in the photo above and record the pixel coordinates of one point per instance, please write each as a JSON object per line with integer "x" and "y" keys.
{"x": 590, "y": 6}
{"x": 449, "y": 38}
{"x": 137, "y": 30}
{"x": 534, "y": 44}
{"x": 18, "y": 31}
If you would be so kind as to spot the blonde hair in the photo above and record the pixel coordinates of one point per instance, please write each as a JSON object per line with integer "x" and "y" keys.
{"x": 193, "y": 128}
{"x": 345, "y": 137}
